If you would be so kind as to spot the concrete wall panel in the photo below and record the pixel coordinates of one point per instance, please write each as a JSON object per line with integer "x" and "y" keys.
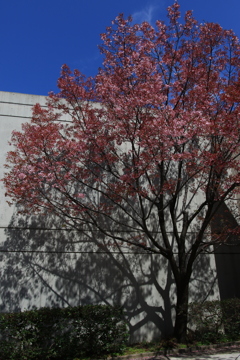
{"x": 43, "y": 264}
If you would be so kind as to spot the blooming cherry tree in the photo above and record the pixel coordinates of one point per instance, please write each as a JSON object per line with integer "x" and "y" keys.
{"x": 150, "y": 148}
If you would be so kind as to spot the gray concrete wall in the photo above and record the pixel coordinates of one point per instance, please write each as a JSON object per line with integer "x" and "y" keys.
{"x": 43, "y": 264}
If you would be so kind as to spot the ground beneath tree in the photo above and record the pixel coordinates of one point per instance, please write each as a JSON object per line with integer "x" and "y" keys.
{"x": 215, "y": 352}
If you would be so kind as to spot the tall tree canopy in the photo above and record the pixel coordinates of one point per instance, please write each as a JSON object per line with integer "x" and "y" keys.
{"x": 150, "y": 147}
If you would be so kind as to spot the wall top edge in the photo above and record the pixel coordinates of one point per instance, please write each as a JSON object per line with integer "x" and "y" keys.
{"x": 18, "y": 93}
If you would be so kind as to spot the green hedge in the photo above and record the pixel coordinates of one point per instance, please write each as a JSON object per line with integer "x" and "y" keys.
{"x": 83, "y": 331}
{"x": 214, "y": 321}
{"x": 231, "y": 318}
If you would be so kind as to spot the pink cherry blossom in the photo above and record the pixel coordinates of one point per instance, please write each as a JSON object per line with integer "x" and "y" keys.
{"x": 153, "y": 147}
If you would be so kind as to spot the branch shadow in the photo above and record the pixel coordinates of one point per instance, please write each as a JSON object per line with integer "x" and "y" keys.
{"x": 44, "y": 265}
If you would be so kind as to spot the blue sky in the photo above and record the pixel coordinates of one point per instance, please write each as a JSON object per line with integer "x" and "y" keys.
{"x": 38, "y": 36}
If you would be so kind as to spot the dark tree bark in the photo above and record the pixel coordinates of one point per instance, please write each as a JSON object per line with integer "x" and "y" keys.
{"x": 180, "y": 328}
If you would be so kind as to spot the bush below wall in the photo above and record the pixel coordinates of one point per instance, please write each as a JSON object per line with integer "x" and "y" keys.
{"x": 214, "y": 321}
{"x": 98, "y": 331}
{"x": 83, "y": 331}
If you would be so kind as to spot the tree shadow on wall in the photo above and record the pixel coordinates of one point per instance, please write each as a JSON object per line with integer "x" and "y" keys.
{"x": 44, "y": 265}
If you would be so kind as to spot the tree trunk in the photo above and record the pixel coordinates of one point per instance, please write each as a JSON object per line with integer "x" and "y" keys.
{"x": 180, "y": 328}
